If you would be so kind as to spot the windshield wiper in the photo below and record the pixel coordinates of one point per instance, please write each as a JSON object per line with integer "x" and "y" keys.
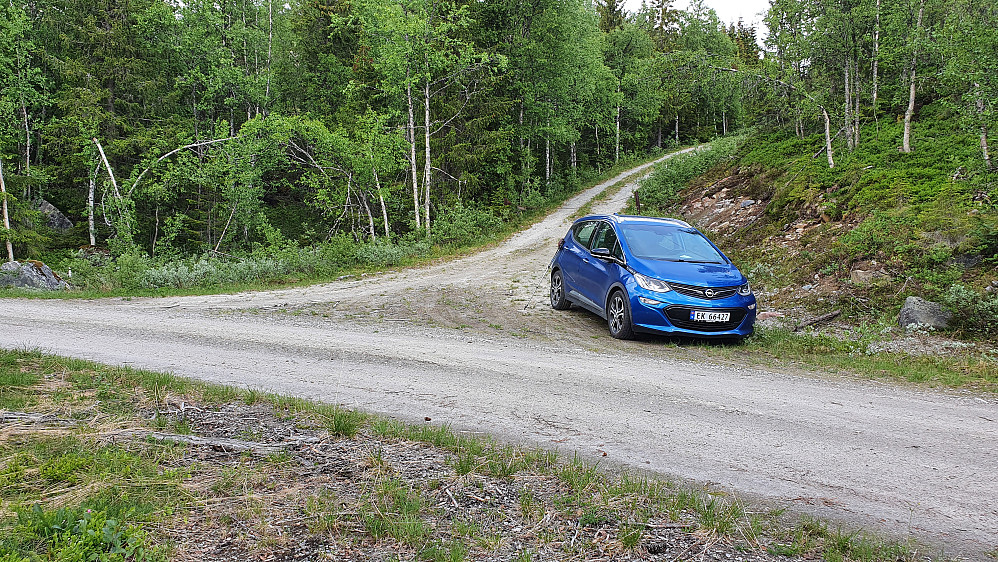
{"x": 686, "y": 261}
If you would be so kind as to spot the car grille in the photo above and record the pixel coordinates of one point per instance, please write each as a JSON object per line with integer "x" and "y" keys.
{"x": 679, "y": 316}
{"x": 698, "y": 292}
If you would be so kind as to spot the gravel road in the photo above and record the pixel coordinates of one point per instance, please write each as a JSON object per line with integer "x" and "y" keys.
{"x": 472, "y": 342}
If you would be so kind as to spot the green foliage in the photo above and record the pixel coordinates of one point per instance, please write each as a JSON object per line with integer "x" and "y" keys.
{"x": 659, "y": 194}
{"x": 75, "y": 535}
{"x": 972, "y": 311}
{"x": 465, "y": 226}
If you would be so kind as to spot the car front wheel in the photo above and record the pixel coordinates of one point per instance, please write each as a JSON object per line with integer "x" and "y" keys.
{"x": 618, "y": 316}
{"x": 558, "y": 300}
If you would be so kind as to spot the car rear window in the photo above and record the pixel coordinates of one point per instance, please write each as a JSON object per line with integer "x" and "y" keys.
{"x": 584, "y": 232}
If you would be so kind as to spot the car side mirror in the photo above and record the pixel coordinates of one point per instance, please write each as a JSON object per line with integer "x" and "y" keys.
{"x": 603, "y": 254}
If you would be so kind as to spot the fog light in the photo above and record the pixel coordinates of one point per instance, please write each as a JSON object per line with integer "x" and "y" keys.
{"x": 648, "y": 301}
{"x": 751, "y": 307}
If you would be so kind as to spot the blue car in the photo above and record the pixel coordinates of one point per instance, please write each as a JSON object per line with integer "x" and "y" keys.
{"x": 651, "y": 275}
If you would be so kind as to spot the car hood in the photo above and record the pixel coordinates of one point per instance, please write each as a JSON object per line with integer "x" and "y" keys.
{"x": 697, "y": 274}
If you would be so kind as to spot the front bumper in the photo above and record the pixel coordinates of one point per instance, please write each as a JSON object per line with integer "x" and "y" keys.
{"x": 669, "y": 313}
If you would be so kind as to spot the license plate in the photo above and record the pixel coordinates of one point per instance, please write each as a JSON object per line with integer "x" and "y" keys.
{"x": 705, "y": 316}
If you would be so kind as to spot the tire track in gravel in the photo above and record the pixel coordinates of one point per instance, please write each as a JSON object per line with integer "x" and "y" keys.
{"x": 909, "y": 462}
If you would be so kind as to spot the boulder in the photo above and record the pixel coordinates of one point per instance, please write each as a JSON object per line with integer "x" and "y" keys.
{"x": 865, "y": 277}
{"x": 54, "y": 217}
{"x": 920, "y": 312}
{"x": 30, "y": 275}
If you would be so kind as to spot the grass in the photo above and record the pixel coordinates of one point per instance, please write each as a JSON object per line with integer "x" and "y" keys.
{"x": 141, "y": 499}
{"x": 781, "y": 346}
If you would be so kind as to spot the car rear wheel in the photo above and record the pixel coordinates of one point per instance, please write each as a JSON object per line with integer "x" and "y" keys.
{"x": 618, "y": 316}
{"x": 558, "y": 300}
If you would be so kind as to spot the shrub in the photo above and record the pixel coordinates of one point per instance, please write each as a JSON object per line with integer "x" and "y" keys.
{"x": 462, "y": 226}
{"x": 660, "y": 192}
{"x": 972, "y": 311}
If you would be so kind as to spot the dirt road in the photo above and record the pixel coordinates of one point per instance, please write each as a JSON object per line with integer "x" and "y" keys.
{"x": 473, "y": 343}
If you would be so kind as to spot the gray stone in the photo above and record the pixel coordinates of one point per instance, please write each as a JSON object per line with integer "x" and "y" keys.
{"x": 920, "y": 312}
{"x": 864, "y": 277}
{"x": 747, "y": 203}
{"x": 30, "y": 275}
{"x": 54, "y": 217}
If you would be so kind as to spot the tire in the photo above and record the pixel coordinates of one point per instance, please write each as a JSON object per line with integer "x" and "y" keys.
{"x": 558, "y": 300}
{"x": 618, "y": 316}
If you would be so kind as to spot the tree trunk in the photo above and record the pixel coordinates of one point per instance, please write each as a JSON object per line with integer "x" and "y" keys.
{"x": 677, "y": 129}
{"x": 906, "y": 144}
{"x": 412, "y": 149}
{"x": 848, "y": 107}
{"x": 616, "y": 150}
{"x": 90, "y": 206}
{"x": 828, "y": 137}
{"x": 428, "y": 162}
{"x": 381, "y": 198}
{"x": 876, "y": 62}
{"x": 572, "y": 156}
{"x": 547, "y": 161}
{"x": 855, "y": 112}
{"x": 270, "y": 45}
{"x": 984, "y": 127}
{"x": 370, "y": 217}
{"x": 6, "y": 217}
{"x": 27, "y": 149}
{"x": 155, "y": 232}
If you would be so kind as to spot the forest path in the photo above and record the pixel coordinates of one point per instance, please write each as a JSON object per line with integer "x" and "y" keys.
{"x": 472, "y": 342}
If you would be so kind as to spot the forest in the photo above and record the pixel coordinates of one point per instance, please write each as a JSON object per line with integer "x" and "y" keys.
{"x": 194, "y": 143}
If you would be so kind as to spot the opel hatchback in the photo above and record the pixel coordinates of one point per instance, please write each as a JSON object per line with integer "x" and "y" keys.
{"x": 652, "y": 275}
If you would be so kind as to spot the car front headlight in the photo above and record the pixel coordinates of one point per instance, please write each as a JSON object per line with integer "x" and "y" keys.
{"x": 652, "y": 284}
{"x": 745, "y": 290}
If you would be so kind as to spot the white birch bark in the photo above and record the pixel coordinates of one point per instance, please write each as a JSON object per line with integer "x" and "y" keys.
{"x": 412, "y": 150}
{"x": 828, "y": 137}
{"x": 381, "y": 198}
{"x": 848, "y": 106}
{"x": 984, "y": 127}
{"x": 906, "y": 143}
{"x": 428, "y": 163}
{"x": 6, "y": 217}
{"x": 90, "y": 207}
{"x": 876, "y": 61}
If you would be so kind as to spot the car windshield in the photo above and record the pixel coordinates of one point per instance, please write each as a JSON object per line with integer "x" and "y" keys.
{"x": 669, "y": 243}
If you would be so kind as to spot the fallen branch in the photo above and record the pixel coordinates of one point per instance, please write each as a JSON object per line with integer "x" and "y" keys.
{"x": 817, "y": 320}
{"x": 215, "y": 443}
{"x": 43, "y": 419}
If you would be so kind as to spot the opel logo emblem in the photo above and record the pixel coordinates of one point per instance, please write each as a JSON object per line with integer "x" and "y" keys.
{"x": 709, "y": 293}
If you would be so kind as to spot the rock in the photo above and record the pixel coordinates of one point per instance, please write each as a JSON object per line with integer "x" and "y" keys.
{"x": 807, "y": 287}
{"x": 54, "y": 217}
{"x": 747, "y": 203}
{"x": 918, "y": 311}
{"x": 864, "y": 277}
{"x": 30, "y": 275}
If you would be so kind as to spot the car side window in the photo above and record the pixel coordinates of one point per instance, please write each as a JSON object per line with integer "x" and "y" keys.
{"x": 617, "y": 251}
{"x": 584, "y": 232}
{"x": 606, "y": 238}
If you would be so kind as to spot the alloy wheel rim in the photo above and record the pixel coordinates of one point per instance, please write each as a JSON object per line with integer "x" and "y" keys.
{"x": 616, "y": 314}
{"x": 555, "y": 288}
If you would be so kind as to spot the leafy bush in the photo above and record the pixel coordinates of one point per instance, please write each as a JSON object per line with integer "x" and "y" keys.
{"x": 74, "y": 535}
{"x": 660, "y": 192}
{"x": 463, "y": 226}
{"x": 972, "y": 311}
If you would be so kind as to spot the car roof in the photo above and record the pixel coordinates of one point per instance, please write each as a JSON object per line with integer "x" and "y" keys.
{"x": 637, "y": 219}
